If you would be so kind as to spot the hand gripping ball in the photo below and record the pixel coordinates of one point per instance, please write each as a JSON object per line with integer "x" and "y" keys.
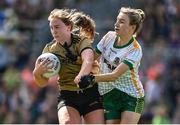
{"x": 55, "y": 64}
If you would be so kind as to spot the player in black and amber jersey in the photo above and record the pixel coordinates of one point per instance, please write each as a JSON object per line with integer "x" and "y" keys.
{"x": 77, "y": 59}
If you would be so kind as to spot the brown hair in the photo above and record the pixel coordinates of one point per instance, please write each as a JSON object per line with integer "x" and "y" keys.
{"x": 76, "y": 19}
{"x": 63, "y": 14}
{"x": 85, "y": 23}
{"x": 136, "y": 17}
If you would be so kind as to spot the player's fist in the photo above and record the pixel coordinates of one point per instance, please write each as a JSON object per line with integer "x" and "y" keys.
{"x": 86, "y": 81}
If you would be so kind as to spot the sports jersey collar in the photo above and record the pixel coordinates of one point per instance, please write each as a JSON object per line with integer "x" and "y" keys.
{"x": 116, "y": 46}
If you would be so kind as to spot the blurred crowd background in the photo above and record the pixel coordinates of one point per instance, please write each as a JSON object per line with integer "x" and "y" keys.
{"x": 24, "y": 30}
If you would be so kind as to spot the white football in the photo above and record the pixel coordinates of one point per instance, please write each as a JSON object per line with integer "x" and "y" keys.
{"x": 55, "y": 64}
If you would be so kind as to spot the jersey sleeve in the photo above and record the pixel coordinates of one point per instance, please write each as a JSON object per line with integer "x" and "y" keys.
{"x": 133, "y": 58}
{"x": 85, "y": 44}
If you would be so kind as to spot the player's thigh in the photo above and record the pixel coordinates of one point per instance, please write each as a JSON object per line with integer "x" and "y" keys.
{"x": 131, "y": 112}
{"x": 68, "y": 115}
{"x": 95, "y": 117}
{"x": 128, "y": 117}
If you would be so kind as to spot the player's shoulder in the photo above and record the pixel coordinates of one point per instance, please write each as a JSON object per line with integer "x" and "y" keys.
{"x": 48, "y": 46}
{"x": 136, "y": 44}
{"x": 77, "y": 39}
{"x": 110, "y": 33}
{"x": 50, "y": 43}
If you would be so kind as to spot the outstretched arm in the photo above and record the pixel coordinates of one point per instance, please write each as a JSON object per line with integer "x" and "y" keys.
{"x": 108, "y": 77}
{"x": 88, "y": 80}
{"x": 87, "y": 62}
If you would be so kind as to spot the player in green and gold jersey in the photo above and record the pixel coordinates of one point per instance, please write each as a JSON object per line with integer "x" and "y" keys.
{"x": 119, "y": 83}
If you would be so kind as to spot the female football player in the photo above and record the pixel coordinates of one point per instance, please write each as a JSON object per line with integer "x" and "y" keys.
{"x": 76, "y": 56}
{"x": 119, "y": 83}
